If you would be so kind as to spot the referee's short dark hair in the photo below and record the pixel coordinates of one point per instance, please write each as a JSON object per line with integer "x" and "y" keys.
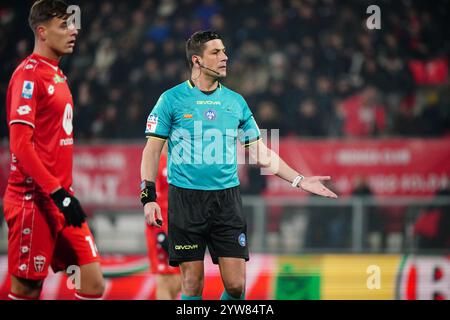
{"x": 195, "y": 45}
{"x": 44, "y": 10}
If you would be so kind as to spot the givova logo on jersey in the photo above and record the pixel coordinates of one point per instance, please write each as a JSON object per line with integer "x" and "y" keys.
{"x": 424, "y": 278}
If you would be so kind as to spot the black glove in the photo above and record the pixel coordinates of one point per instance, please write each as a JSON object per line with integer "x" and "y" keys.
{"x": 161, "y": 237}
{"x": 70, "y": 207}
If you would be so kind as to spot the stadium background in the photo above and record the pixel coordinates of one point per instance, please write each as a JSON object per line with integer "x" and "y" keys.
{"x": 368, "y": 107}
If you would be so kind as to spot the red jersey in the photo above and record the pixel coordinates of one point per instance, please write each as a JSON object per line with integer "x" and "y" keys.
{"x": 159, "y": 258}
{"x": 362, "y": 120}
{"x": 162, "y": 189}
{"x": 38, "y": 96}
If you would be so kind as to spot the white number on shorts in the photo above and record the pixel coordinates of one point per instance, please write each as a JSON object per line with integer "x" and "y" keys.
{"x": 92, "y": 245}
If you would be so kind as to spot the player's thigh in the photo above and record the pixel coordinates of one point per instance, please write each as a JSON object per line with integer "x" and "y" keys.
{"x": 31, "y": 240}
{"x": 26, "y": 288}
{"x": 152, "y": 248}
{"x": 75, "y": 246}
{"x": 158, "y": 256}
{"x": 188, "y": 226}
{"x": 185, "y": 246}
{"x": 228, "y": 236}
{"x": 92, "y": 278}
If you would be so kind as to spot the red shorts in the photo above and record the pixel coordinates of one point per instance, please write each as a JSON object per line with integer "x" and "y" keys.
{"x": 37, "y": 239}
{"x": 159, "y": 258}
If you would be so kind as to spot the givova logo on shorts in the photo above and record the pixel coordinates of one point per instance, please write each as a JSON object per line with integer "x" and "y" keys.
{"x": 186, "y": 246}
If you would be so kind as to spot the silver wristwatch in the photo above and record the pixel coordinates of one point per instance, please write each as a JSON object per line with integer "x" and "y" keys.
{"x": 297, "y": 180}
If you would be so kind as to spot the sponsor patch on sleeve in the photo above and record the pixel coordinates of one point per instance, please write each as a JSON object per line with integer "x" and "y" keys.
{"x": 24, "y": 110}
{"x": 152, "y": 123}
{"x": 27, "y": 89}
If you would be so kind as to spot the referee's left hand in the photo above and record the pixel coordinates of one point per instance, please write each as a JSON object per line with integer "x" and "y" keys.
{"x": 152, "y": 213}
{"x": 314, "y": 185}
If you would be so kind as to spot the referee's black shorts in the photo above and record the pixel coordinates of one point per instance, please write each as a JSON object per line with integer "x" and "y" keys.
{"x": 199, "y": 218}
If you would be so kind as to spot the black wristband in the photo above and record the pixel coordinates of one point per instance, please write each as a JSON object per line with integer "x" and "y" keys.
{"x": 148, "y": 193}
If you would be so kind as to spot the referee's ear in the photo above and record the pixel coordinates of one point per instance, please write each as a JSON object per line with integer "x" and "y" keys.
{"x": 194, "y": 61}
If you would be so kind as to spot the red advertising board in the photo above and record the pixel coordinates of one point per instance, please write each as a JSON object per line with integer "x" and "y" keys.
{"x": 108, "y": 174}
{"x": 395, "y": 167}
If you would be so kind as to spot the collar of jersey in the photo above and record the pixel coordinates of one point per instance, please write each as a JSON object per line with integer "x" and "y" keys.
{"x": 191, "y": 85}
{"x": 52, "y": 62}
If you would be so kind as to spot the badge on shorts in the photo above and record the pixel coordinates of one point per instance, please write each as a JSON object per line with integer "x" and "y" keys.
{"x": 39, "y": 262}
{"x": 242, "y": 240}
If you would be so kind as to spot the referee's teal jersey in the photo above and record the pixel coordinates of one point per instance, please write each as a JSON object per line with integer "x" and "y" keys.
{"x": 202, "y": 129}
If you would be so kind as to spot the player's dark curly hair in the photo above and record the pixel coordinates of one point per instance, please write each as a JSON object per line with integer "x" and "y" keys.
{"x": 195, "y": 45}
{"x": 45, "y": 10}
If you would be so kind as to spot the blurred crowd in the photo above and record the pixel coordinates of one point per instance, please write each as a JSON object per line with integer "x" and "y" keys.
{"x": 311, "y": 68}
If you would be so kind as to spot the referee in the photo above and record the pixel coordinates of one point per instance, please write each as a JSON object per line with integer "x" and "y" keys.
{"x": 202, "y": 121}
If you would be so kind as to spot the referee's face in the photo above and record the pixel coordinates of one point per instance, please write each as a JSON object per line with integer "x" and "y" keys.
{"x": 214, "y": 57}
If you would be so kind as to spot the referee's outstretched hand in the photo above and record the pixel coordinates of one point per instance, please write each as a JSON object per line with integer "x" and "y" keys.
{"x": 152, "y": 213}
{"x": 69, "y": 206}
{"x": 314, "y": 185}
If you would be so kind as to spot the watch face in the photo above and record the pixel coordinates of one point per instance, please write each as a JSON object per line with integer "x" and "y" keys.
{"x": 142, "y": 185}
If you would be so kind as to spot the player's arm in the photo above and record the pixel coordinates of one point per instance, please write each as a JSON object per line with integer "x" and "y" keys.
{"x": 24, "y": 97}
{"x": 157, "y": 131}
{"x": 21, "y": 141}
{"x": 250, "y": 138}
{"x": 150, "y": 158}
{"x": 21, "y": 137}
{"x": 267, "y": 158}
{"x": 149, "y": 171}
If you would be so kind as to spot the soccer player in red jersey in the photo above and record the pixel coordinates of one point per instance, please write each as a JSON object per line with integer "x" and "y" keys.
{"x": 46, "y": 223}
{"x": 168, "y": 280}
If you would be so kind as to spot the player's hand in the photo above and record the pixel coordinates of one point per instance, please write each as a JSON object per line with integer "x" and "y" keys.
{"x": 314, "y": 185}
{"x": 152, "y": 213}
{"x": 69, "y": 206}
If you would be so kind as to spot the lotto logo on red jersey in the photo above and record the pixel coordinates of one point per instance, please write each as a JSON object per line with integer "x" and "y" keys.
{"x": 23, "y": 110}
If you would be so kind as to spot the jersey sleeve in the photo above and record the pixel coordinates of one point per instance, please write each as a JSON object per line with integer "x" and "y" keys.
{"x": 159, "y": 122}
{"x": 24, "y": 95}
{"x": 248, "y": 129}
{"x": 21, "y": 144}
